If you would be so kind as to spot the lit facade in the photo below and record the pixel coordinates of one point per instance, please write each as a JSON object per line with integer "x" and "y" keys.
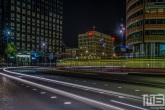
{"x": 71, "y": 53}
{"x": 146, "y": 27}
{"x": 30, "y": 23}
{"x": 90, "y": 47}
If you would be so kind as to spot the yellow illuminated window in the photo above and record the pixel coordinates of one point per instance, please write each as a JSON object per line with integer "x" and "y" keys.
{"x": 42, "y": 17}
{"x": 12, "y": 24}
{"x": 38, "y": 16}
{"x": 33, "y": 14}
{"x": 46, "y": 18}
{"x": 23, "y": 5}
{"x": 28, "y": 12}
{"x": 23, "y": 11}
{"x": 28, "y": 6}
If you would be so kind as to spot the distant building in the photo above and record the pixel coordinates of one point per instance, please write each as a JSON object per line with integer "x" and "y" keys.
{"x": 28, "y": 23}
{"x": 71, "y": 53}
{"x": 93, "y": 45}
{"x": 146, "y": 27}
{"x": 122, "y": 52}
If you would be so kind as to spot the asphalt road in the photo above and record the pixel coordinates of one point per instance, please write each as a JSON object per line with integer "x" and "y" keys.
{"x": 110, "y": 94}
{"x": 127, "y": 88}
{"x": 15, "y": 95}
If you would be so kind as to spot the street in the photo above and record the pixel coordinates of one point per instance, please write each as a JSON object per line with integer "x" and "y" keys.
{"x": 45, "y": 89}
{"x": 15, "y": 95}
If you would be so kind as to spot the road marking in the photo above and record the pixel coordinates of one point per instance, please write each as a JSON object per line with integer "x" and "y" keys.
{"x": 84, "y": 81}
{"x": 67, "y": 103}
{"x": 42, "y": 92}
{"x": 128, "y": 105}
{"x": 27, "y": 86}
{"x": 95, "y": 103}
{"x": 105, "y": 84}
{"x": 34, "y": 89}
{"x": 137, "y": 90}
{"x": 121, "y": 97}
{"x": 53, "y": 97}
{"x": 101, "y": 92}
{"x": 137, "y": 98}
{"x": 119, "y": 87}
{"x": 20, "y": 76}
{"x": 94, "y": 83}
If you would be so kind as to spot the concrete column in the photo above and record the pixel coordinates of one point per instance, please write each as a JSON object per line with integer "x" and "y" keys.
{"x": 152, "y": 48}
{"x": 133, "y": 51}
{"x": 141, "y": 50}
{"x": 146, "y": 52}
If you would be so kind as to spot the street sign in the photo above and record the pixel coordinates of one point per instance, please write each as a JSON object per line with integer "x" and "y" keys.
{"x": 50, "y": 56}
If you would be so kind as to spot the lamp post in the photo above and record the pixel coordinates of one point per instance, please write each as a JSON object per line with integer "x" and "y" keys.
{"x": 102, "y": 44}
{"x": 122, "y": 30}
{"x": 43, "y": 45}
{"x": 7, "y": 35}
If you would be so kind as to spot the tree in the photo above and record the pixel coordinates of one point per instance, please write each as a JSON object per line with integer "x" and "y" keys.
{"x": 0, "y": 59}
{"x": 11, "y": 50}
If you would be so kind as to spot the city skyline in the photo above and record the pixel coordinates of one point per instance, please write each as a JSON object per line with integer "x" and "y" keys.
{"x": 105, "y": 16}
{"x": 82, "y": 55}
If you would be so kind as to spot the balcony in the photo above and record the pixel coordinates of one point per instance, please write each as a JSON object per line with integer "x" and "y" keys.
{"x": 135, "y": 29}
{"x": 155, "y": 26}
{"x": 131, "y": 3}
{"x": 134, "y": 20}
{"x": 134, "y": 10}
{"x": 155, "y": 15}
{"x": 154, "y": 38}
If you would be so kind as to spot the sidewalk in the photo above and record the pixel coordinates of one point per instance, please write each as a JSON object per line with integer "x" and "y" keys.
{"x": 120, "y": 71}
{"x": 88, "y": 70}
{"x": 123, "y": 77}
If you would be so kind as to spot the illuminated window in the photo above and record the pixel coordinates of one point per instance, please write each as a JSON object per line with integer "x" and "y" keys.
{"x": 28, "y": 6}
{"x": 23, "y": 5}
{"x": 28, "y": 12}
{"x": 33, "y": 14}
{"x": 18, "y": 3}
{"x": 23, "y": 11}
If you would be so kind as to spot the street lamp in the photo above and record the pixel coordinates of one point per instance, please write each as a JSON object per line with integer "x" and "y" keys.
{"x": 103, "y": 45}
{"x": 43, "y": 45}
{"x": 7, "y": 38}
{"x": 86, "y": 54}
{"x": 122, "y": 30}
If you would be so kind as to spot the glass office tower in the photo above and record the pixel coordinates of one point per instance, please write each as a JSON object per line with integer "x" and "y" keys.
{"x": 28, "y": 23}
{"x": 146, "y": 27}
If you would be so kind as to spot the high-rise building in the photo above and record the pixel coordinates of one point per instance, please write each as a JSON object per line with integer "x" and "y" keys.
{"x": 95, "y": 45}
{"x": 92, "y": 45}
{"x": 28, "y": 23}
{"x": 145, "y": 27}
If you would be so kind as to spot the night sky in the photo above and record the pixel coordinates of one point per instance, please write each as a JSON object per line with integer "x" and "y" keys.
{"x": 81, "y": 15}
